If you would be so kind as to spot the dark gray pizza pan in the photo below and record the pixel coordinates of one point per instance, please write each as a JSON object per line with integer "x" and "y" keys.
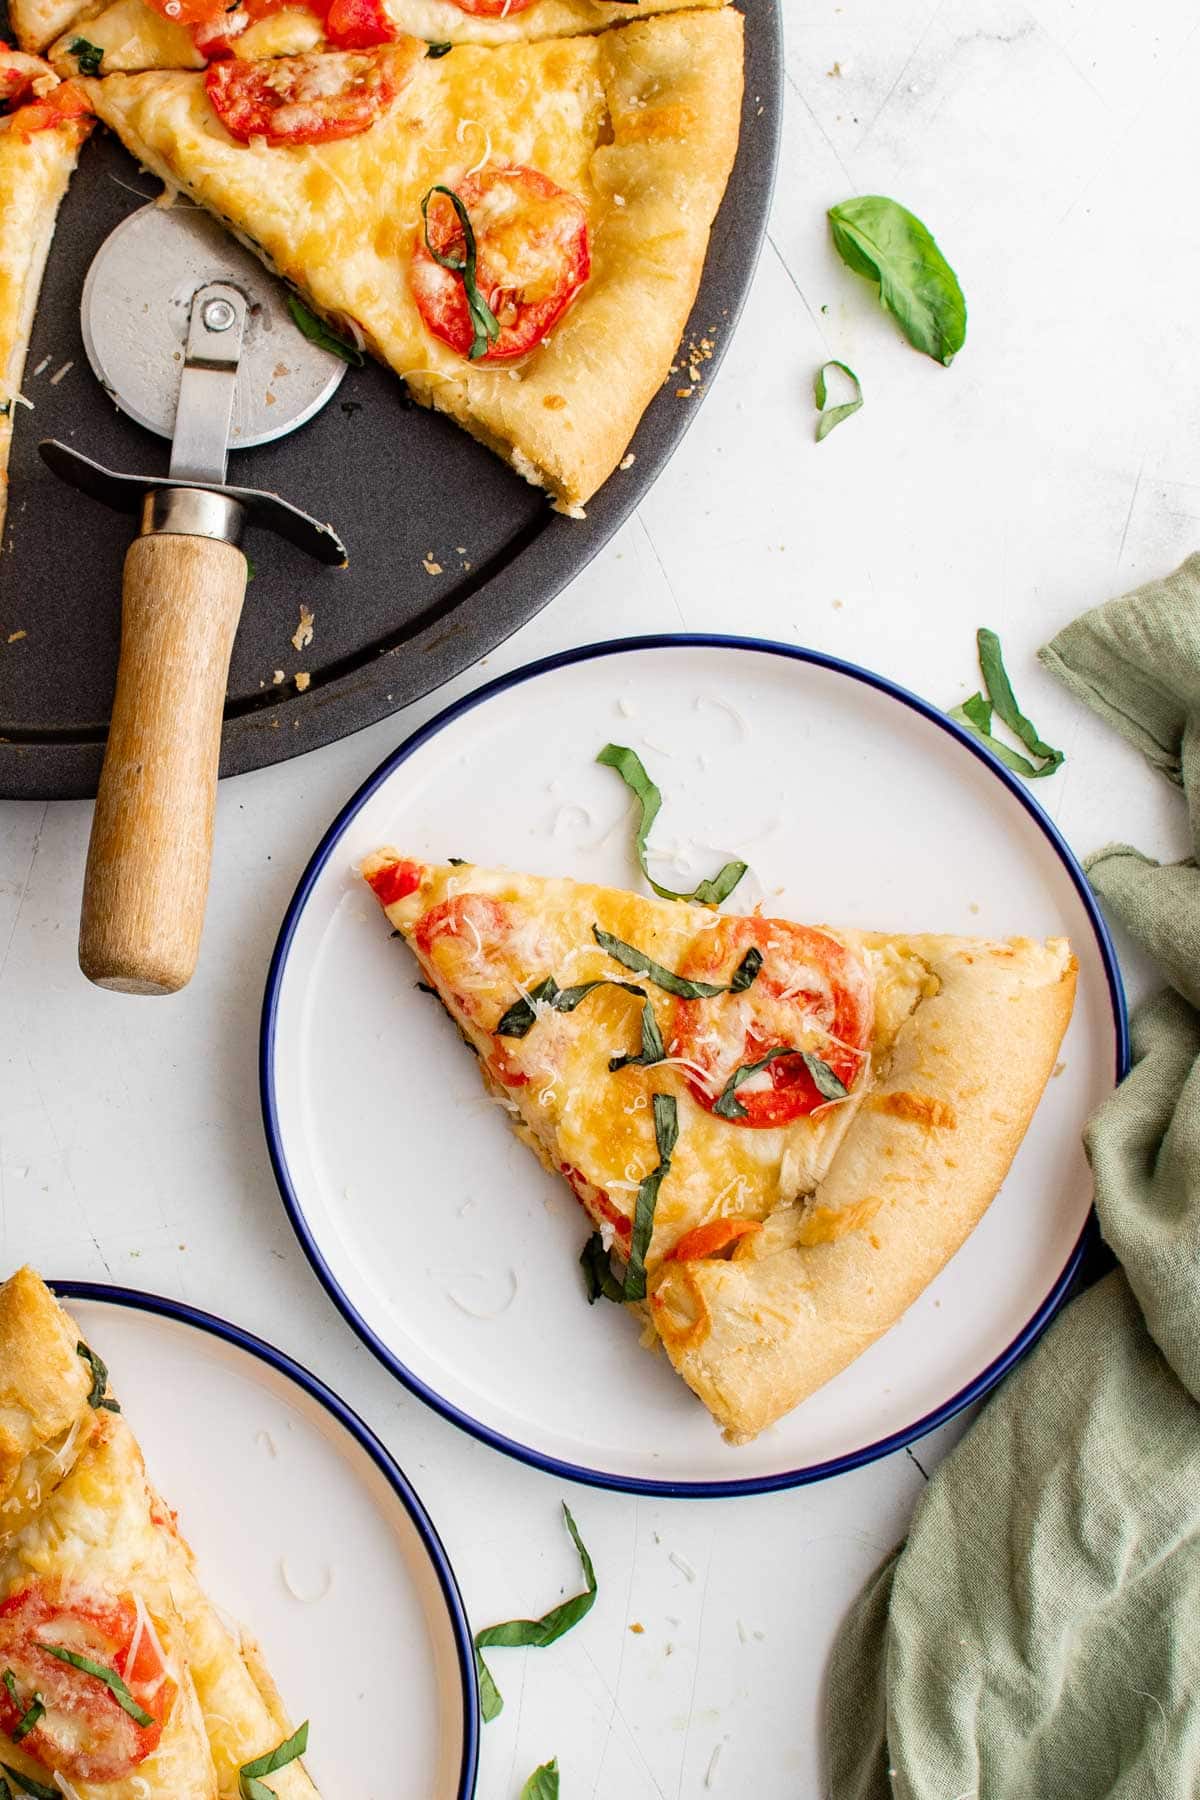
{"x": 402, "y": 486}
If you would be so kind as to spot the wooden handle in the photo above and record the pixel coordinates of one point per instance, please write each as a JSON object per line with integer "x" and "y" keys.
{"x": 151, "y": 848}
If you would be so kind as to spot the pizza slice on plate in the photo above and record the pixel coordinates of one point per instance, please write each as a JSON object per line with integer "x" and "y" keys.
{"x": 119, "y": 1681}
{"x": 780, "y": 1132}
{"x": 42, "y": 124}
{"x": 518, "y": 232}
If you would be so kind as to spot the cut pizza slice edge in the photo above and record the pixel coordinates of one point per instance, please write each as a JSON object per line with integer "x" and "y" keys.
{"x": 124, "y": 1680}
{"x": 587, "y": 171}
{"x": 781, "y": 1133}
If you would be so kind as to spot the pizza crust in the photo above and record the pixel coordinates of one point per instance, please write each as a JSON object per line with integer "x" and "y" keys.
{"x": 640, "y": 123}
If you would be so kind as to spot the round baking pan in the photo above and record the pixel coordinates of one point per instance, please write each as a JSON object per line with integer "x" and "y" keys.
{"x": 449, "y": 550}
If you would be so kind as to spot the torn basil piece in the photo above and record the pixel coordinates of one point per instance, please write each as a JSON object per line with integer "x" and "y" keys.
{"x": 976, "y": 715}
{"x": 599, "y": 1281}
{"x": 88, "y": 56}
{"x": 110, "y": 1678}
{"x": 653, "y": 1049}
{"x": 831, "y": 416}
{"x": 829, "y": 1085}
{"x": 250, "y": 1787}
{"x": 436, "y": 50}
{"x": 317, "y": 332}
{"x": 543, "y": 1783}
{"x": 628, "y": 765}
{"x": 521, "y": 1016}
{"x": 484, "y": 323}
{"x": 31, "y": 1715}
{"x": 534, "y": 1634}
{"x": 638, "y": 963}
{"x": 666, "y": 1135}
{"x": 882, "y": 240}
{"x": 99, "y": 1370}
{"x": 25, "y": 1784}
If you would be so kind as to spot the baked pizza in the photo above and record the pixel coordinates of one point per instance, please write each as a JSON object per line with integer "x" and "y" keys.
{"x": 118, "y": 1680}
{"x": 780, "y": 1132}
{"x": 42, "y": 124}
{"x": 518, "y": 232}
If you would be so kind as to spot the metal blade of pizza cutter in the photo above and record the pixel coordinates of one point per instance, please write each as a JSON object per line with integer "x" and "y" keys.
{"x": 193, "y": 339}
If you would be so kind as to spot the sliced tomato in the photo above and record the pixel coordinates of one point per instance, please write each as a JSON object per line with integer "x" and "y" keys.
{"x": 62, "y": 103}
{"x": 595, "y": 1201}
{"x": 472, "y": 945}
{"x": 85, "y": 1734}
{"x": 811, "y": 993}
{"x": 359, "y": 24}
{"x": 395, "y": 881}
{"x": 311, "y": 99}
{"x": 532, "y": 258}
{"x": 711, "y": 1239}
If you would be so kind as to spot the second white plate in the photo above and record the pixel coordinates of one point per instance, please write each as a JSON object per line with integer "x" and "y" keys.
{"x": 442, "y": 1241}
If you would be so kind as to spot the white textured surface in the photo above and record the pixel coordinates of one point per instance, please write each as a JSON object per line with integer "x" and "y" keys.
{"x": 1050, "y": 146}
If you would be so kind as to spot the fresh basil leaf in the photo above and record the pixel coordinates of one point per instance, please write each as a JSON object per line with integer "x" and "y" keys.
{"x": 976, "y": 715}
{"x": 666, "y": 1134}
{"x": 317, "y": 332}
{"x": 653, "y": 1049}
{"x": 88, "y": 56}
{"x": 250, "y": 1787}
{"x": 728, "y": 1106}
{"x": 436, "y": 50}
{"x": 31, "y": 1715}
{"x": 882, "y": 240}
{"x": 25, "y": 1784}
{"x": 828, "y": 1084}
{"x": 599, "y": 1281}
{"x": 638, "y": 963}
{"x": 518, "y": 1021}
{"x": 99, "y": 1370}
{"x": 484, "y": 324}
{"x": 833, "y": 415}
{"x": 628, "y": 765}
{"x": 457, "y": 862}
{"x": 110, "y": 1678}
{"x": 534, "y": 1634}
{"x": 543, "y": 1783}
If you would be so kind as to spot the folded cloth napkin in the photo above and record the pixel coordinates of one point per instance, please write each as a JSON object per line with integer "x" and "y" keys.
{"x": 1038, "y": 1636}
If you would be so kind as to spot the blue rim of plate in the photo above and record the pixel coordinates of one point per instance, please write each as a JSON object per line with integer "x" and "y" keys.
{"x": 551, "y": 1465}
{"x": 139, "y": 1301}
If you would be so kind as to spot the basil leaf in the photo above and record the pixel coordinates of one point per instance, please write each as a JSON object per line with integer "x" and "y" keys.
{"x": 522, "y": 1015}
{"x": 249, "y": 1787}
{"x": 457, "y": 862}
{"x": 534, "y": 1634}
{"x": 833, "y": 415}
{"x": 976, "y": 715}
{"x": 436, "y": 50}
{"x": 628, "y": 765}
{"x": 599, "y": 1280}
{"x": 666, "y": 1134}
{"x": 32, "y": 1715}
{"x": 110, "y": 1678}
{"x": 25, "y": 1784}
{"x": 484, "y": 324}
{"x": 317, "y": 332}
{"x": 88, "y": 56}
{"x": 640, "y": 964}
{"x": 99, "y": 1370}
{"x": 653, "y": 1049}
{"x": 882, "y": 240}
{"x": 543, "y": 1783}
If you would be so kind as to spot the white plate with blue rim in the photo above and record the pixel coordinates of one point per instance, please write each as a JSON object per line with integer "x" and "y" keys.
{"x": 307, "y": 1532}
{"x": 445, "y": 1245}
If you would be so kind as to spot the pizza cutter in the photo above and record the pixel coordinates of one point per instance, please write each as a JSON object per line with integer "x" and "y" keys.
{"x": 192, "y": 338}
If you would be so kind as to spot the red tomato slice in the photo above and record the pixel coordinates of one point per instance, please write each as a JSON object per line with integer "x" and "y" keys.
{"x": 532, "y": 258}
{"x": 309, "y": 99}
{"x": 811, "y": 993}
{"x": 395, "y": 881}
{"x": 474, "y": 948}
{"x": 86, "y": 1735}
{"x": 62, "y": 103}
{"x": 359, "y": 24}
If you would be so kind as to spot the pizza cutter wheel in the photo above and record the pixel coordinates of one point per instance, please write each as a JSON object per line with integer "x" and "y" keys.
{"x": 190, "y": 337}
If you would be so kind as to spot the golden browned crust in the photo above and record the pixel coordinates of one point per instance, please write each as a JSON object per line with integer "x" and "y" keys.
{"x": 757, "y": 1334}
{"x": 44, "y": 1383}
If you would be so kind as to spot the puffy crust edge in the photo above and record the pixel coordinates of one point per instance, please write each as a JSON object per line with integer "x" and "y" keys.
{"x": 44, "y": 1384}
{"x": 756, "y": 1335}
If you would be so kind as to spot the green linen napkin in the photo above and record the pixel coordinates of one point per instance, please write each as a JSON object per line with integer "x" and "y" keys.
{"x": 1038, "y": 1636}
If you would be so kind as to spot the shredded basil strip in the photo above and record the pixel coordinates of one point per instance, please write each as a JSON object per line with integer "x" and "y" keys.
{"x": 829, "y": 1085}
{"x": 436, "y": 50}
{"x": 534, "y": 1634}
{"x": 249, "y": 1786}
{"x": 666, "y": 1135}
{"x": 88, "y": 56}
{"x": 640, "y": 964}
{"x": 543, "y": 1783}
{"x": 834, "y": 415}
{"x": 109, "y": 1677}
{"x": 25, "y": 1784}
{"x": 599, "y": 1281}
{"x": 628, "y": 765}
{"x": 99, "y": 1370}
{"x": 30, "y": 1715}
{"x": 976, "y": 715}
{"x": 518, "y": 1021}
{"x": 653, "y": 1049}
{"x": 484, "y": 323}
{"x": 882, "y": 240}
{"x": 317, "y": 332}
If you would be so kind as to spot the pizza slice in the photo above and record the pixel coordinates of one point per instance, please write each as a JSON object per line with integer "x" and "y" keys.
{"x": 518, "y": 232}
{"x": 118, "y": 1681}
{"x": 42, "y": 124}
{"x": 780, "y": 1133}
